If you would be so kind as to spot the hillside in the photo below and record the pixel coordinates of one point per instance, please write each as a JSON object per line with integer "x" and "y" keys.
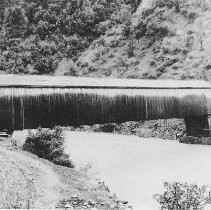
{"x": 164, "y": 42}
{"x": 132, "y": 39}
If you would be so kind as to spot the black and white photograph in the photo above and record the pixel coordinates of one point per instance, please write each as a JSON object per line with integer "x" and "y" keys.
{"x": 105, "y": 104}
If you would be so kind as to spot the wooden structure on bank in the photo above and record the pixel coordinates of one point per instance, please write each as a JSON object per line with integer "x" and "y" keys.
{"x": 46, "y": 101}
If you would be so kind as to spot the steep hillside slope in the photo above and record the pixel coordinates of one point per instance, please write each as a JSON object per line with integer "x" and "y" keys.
{"x": 161, "y": 40}
{"x": 41, "y": 37}
{"x": 148, "y": 39}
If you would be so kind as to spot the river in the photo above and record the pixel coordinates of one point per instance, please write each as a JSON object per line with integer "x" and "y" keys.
{"x": 135, "y": 168}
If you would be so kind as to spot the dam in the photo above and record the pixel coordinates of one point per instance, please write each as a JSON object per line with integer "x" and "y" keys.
{"x": 32, "y": 101}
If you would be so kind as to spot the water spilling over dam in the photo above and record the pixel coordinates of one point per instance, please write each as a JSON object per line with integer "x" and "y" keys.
{"x": 33, "y": 101}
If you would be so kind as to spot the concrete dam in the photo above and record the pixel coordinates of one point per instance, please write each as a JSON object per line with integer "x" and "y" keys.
{"x": 28, "y": 102}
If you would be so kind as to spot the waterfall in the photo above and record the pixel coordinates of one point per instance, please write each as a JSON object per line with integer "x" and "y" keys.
{"x": 25, "y": 107}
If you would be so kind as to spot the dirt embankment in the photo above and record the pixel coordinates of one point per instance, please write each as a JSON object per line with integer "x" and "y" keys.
{"x": 27, "y": 181}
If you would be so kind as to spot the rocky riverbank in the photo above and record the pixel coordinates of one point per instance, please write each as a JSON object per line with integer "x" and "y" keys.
{"x": 195, "y": 140}
{"x": 163, "y": 128}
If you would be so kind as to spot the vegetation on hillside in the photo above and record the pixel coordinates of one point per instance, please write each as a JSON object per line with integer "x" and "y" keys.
{"x": 162, "y": 39}
{"x": 147, "y": 39}
{"x": 38, "y": 37}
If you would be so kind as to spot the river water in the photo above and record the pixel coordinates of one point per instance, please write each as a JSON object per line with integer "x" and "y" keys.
{"x": 135, "y": 168}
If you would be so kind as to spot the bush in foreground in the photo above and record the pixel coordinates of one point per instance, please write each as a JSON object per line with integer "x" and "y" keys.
{"x": 183, "y": 196}
{"x": 48, "y": 144}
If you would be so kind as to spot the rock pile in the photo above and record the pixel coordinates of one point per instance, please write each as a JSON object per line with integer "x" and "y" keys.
{"x": 74, "y": 202}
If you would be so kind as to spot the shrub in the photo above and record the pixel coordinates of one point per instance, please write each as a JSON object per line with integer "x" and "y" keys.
{"x": 176, "y": 4}
{"x": 124, "y": 15}
{"x": 106, "y": 128}
{"x": 66, "y": 67}
{"x": 183, "y": 196}
{"x": 153, "y": 23}
{"x": 48, "y": 144}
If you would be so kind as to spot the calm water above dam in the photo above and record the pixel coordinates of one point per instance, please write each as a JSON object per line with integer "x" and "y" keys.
{"x": 135, "y": 168}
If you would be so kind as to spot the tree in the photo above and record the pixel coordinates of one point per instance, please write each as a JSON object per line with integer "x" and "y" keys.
{"x": 131, "y": 46}
{"x": 15, "y": 22}
{"x": 43, "y": 3}
{"x": 134, "y": 4}
{"x": 153, "y": 23}
{"x": 84, "y": 22}
{"x": 43, "y": 29}
{"x": 201, "y": 35}
{"x": 176, "y": 4}
{"x": 3, "y": 5}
